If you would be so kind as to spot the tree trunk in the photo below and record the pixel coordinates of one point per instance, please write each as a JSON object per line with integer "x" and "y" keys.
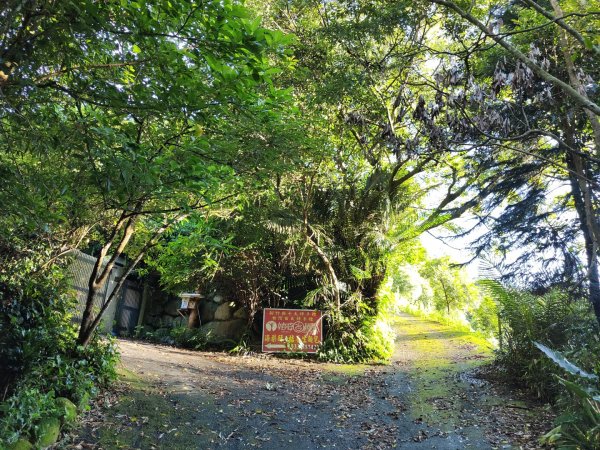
{"x": 594, "y": 294}
{"x": 309, "y": 233}
{"x": 445, "y": 294}
{"x": 588, "y": 222}
{"x": 90, "y": 324}
{"x": 100, "y": 276}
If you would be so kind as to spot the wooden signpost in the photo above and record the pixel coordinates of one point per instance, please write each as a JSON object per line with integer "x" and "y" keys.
{"x": 189, "y": 307}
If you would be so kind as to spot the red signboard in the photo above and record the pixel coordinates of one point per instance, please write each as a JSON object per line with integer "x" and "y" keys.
{"x": 292, "y": 330}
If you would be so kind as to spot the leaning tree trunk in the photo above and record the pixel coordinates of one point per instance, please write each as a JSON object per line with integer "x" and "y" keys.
{"x": 312, "y": 242}
{"x": 101, "y": 273}
{"x": 90, "y": 321}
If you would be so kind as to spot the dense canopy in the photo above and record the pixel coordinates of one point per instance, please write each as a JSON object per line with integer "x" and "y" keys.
{"x": 292, "y": 153}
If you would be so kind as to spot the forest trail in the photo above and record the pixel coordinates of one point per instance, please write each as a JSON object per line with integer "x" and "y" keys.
{"x": 427, "y": 398}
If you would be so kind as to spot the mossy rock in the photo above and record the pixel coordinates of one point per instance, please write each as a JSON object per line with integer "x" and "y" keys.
{"x": 67, "y": 410}
{"x": 21, "y": 444}
{"x": 47, "y": 432}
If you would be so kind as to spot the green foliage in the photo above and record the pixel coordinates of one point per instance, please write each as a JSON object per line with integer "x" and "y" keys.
{"x": 170, "y": 107}
{"x": 579, "y": 424}
{"x": 564, "y": 363}
{"x": 65, "y": 376}
{"x": 524, "y": 319}
{"x": 484, "y": 316}
{"x": 131, "y": 116}
{"x": 182, "y": 336}
{"x": 35, "y": 308}
{"x": 191, "y": 251}
{"x": 531, "y": 328}
{"x": 448, "y": 289}
{"x": 189, "y": 337}
{"x": 37, "y": 340}
{"x": 359, "y": 336}
{"x": 22, "y": 411}
{"x": 536, "y": 204}
{"x": 100, "y": 357}
{"x": 439, "y": 290}
{"x": 68, "y": 377}
{"x": 243, "y": 347}
{"x": 553, "y": 321}
{"x": 371, "y": 342}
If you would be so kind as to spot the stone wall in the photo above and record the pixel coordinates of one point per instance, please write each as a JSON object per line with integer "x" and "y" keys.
{"x": 220, "y": 318}
{"x": 161, "y": 311}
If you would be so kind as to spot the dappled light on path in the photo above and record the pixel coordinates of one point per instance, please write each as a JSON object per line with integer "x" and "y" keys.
{"x": 428, "y": 397}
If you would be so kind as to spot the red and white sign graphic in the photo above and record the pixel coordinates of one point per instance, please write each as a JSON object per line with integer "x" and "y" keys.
{"x": 292, "y": 330}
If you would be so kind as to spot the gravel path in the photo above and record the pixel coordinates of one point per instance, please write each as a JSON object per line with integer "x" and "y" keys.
{"x": 429, "y": 397}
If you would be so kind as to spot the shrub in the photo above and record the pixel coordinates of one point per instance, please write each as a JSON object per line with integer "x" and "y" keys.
{"x": 22, "y": 411}
{"x": 189, "y": 337}
{"x": 359, "y": 335}
{"x": 484, "y": 317}
{"x": 578, "y": 427}
{"x": 41, "y": 360}
{"x": 532, "y": 326}
{"x": 553, "y": 319}
{"x": 35, "y": 310}
{"x": 101, "y": 356}
{"x": 182, "y": 336}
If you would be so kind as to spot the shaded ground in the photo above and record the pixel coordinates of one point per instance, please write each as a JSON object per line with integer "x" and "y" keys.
{"x": 428, "y": 398}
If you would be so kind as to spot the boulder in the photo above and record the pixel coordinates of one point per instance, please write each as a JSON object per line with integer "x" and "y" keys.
{"x": 154, "y": 308}
{"x": 21, "y": 444}
{"x": 241, "y": 313}
{"x": 171, "y": 307}
{"x": 223, "y": 312}
{"x": 47, "y": 432}
{"x": 152, "y": 320}
{"x": 207, "y": 310}
{"x": 66, "y": 409}
{"x": 180, "y": 321}
{"x": 166, "y": 322}
{"x": 229, "y": 330}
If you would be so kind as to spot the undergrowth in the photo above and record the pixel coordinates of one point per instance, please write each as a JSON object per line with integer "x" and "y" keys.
{"x": 566, "y": 327}
{"x": 361, "y": 334}
{"x": 192, "y": 338}
{"x": 42, "y": 365}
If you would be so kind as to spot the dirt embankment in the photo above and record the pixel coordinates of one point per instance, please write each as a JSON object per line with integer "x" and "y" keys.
{"x": 427, "y": 398}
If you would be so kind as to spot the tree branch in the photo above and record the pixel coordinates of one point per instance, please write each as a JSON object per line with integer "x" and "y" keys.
{"x": 543, "y": 74}
{"x": 561, "y": 22}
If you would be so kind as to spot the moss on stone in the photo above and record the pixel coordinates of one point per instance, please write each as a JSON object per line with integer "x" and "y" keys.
{"x": 47, "y": 432}
{"x": 66, "y": 409}
{"x": 21, "y": 444}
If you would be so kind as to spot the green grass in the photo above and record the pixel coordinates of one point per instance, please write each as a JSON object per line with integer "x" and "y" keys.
{"x": 440, "y": 353}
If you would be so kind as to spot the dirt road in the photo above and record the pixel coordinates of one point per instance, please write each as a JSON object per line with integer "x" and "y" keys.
{"x": 427, "y": 398}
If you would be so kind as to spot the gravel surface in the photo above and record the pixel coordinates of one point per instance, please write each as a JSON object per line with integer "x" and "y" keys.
{"x": 430, "y": 397}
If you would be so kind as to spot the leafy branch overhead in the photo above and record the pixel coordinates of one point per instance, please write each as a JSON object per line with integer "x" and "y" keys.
{"x": 309, "y": 147}
{"x": 129, "y": 105}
